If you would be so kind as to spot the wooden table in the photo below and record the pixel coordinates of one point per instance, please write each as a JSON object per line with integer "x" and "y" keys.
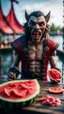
{"x": 38, "y": 108}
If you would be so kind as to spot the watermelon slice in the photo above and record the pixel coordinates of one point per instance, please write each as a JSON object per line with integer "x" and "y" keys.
{"x": 19, "y": 93}
{"x": 56, "y": 90}
{"x": 54, "y": 75}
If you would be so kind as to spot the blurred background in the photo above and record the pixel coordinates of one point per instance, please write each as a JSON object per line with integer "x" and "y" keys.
{"x": 12, "y": 19}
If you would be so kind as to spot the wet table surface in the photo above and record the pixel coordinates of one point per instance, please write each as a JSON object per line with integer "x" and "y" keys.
{"x": 38, "y": 108}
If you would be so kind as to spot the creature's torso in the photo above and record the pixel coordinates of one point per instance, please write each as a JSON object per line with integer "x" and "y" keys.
{"x": 35, "y": 57}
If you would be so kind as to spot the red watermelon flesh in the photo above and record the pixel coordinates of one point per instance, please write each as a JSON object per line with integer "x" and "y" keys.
{"x": 50, "y": 101}
{"x": 54, "y": 74}
{"x": 56, "y": 90}
{"x": 18, "y": 89}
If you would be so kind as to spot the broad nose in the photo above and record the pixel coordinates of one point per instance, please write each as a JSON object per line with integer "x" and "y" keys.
{"x": 36, "y": 26}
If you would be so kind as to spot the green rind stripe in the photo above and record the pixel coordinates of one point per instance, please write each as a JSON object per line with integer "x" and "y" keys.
{"x": 11, "y": 106}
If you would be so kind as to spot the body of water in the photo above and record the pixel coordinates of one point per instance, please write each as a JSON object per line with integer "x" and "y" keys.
{"x": 59, "y": 39}
{"x": 7, "y": 59}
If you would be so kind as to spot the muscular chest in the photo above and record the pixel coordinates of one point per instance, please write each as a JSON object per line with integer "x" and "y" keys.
{"x": 35, "y": 52}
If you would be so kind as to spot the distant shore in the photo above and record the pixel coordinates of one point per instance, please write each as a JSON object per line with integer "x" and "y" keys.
{"x": 56, "y": 33}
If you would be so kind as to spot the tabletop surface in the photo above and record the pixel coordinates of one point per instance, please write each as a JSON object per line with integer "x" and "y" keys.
{"x": 38, "y": 108}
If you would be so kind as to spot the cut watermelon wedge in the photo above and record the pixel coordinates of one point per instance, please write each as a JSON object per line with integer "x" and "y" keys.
{"x": 55, "y": 75}
{"x": 56, "y": 90}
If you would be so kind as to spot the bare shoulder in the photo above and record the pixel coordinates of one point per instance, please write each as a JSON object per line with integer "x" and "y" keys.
{"x": 54, "y": 53}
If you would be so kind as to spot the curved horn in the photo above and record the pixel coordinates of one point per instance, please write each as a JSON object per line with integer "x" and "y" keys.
{"x": 26, "y": 15}
{"x": 47, "y": 17}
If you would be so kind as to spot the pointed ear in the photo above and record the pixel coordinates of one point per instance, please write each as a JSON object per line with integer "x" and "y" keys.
{"x": 47, "y": 17}
{"x": 26, "y": 15}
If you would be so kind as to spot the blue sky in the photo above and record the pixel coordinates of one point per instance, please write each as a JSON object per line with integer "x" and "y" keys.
{"x": 55, "y": 6}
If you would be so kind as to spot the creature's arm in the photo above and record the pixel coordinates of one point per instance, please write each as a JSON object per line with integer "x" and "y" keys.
{"x": 16, "y": 60}
{"x": 53, "y": 62}
{"x": 13, "y": 71}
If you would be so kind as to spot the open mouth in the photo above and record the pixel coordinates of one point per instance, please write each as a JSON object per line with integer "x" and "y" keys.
{"x": 36, "y": 35}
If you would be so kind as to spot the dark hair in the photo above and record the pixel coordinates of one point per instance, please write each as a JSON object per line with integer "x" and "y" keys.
{"x": 27, "y": 32}
{"x": 36, "y": 14}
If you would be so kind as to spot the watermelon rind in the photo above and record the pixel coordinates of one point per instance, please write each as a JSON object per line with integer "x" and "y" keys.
{"x": 19, "y": 103}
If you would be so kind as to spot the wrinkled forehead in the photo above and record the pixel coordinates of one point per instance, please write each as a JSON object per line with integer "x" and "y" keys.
{"x": 37, "y": 19}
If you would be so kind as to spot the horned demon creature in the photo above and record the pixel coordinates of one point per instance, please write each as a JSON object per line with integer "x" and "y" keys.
{"x": 34, "y": 49}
